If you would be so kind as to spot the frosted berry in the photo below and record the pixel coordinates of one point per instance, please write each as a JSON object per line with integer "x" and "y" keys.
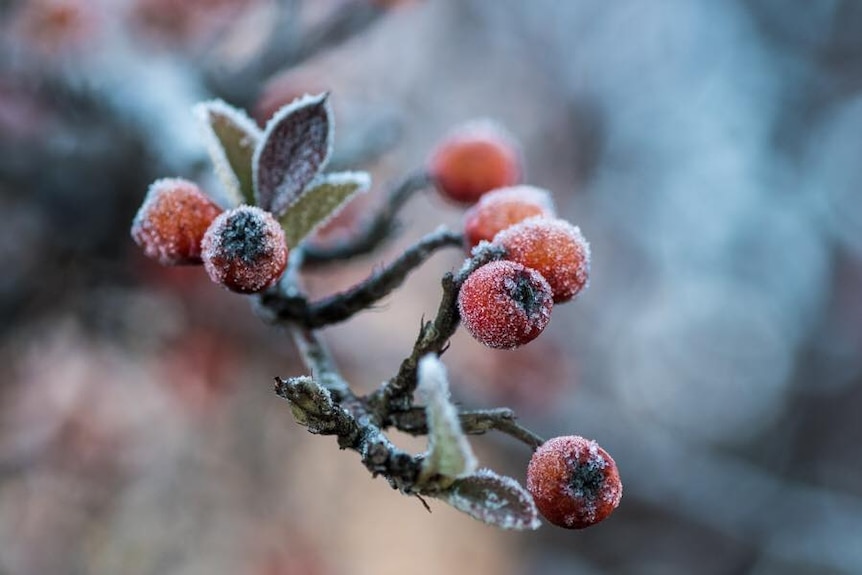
{"x": 505, "y": 305}
{"x": 473, "y": 160}
{"x": 502, "y": 208}
{"x": 574, "y": 482}
{"x": 244, "y": 250}
{"x": 553, "y": 247}
{"x": 171, "y": 222}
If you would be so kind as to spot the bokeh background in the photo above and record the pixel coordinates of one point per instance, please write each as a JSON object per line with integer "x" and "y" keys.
{"x": 710, "y": 151}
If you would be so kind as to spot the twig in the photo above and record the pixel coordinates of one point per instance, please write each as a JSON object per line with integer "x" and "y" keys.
{"x": 292, "y": 308}
{"x": 397, "y": 393}
{"x": 374, "y": 232}
{"x": 319, "y": 361}
{"x": 473, "y": 422}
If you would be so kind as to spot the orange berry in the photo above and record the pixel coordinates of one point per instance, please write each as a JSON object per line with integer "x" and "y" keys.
{"x": 502, "y": 208}
{"x": 553, "y": 247}
{"x": 505, "y": 305}
{"x": 244, "y": 250}
{"x": 473, "y": 160}
{"x": 172, "y": 220}
{"x": 574, "y": 482}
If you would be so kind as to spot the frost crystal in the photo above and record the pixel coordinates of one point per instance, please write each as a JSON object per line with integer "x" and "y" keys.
{"x": 503, "y": 208}
{"x": 505, "y": 305}
{"x": 172, "y": 220}
{"x": 575, "y": 482}
{"x": 553, "y": 247}
{"x": 244, "y": 250}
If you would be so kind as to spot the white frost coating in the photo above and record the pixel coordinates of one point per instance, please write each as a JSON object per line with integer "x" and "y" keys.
{"x": 449, "y": 452}
{"x": 519, "y": 193}
{"x": 555, "y": 244}
{"x": 203, "y": 112}
{"x": 494, "y": 499}
{"x": 321, "y": 201}
{"x": 361, "y": 181}
{"x": 489, "y": 129}
{"x": 276, "y": 119}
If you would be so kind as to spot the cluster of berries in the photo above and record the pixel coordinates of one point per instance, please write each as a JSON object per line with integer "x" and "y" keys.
{"x": 503, "y": 304}
{"x": 242, "y": 249}
{"x": 507, "y": 303}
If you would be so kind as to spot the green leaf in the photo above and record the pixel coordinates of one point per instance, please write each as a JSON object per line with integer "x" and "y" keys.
{"x": 320, "y": 201}
{"x": 449, "y": 453}
{"x": 294, "y": 148}
{"x": 232, "y": 138}
{"x": 493, "y": 499}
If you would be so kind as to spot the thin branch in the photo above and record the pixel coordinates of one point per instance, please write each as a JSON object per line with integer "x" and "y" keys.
{"x": 375, "y": 231}
{"x": 473, "y": 422}
{"x": 289, "y": 47}
{"x": 296, "y": 309}
{"x": 319, "y": 361}
{"x": 397, "y": 393}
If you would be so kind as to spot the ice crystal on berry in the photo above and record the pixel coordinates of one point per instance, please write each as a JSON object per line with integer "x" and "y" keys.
{"x": 553, "y": 247}
{"x": 244, "y": 250}
{"x": 505, "y": 305}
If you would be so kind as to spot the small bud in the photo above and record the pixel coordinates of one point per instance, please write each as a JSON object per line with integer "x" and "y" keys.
{"x": 574, "y": 482}
{"x": 244, "y": 250}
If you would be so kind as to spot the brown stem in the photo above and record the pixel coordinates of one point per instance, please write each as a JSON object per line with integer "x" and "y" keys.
{"x": 397, "y": 393}
{"x": 293, "y": 308}
{"x": 473, "y": 422}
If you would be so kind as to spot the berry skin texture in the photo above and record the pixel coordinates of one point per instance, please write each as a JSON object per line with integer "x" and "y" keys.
{"x": 553, "y": 247}
{"x": 473, "y": 160}
{"x": 244, "y": 250}
{"x": 574, "y": 482}
{"x": 502, "y": 208}
{"x": 505, "y": 305}
{"x": 172, "y": 220}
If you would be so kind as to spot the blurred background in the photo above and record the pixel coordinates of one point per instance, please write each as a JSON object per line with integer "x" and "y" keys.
{"x": 710, "y": 151}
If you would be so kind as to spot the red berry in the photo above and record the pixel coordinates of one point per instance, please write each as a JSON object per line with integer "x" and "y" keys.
{"x": 574, "y": 482}
{"x": 502, "y": 208}
{"x": 172, "y": 221}
{"x": 505, "y": 305}
{"x": 475, "y": 159}
{"x": 244, "y": 250}
{"x": 553, "y": 247}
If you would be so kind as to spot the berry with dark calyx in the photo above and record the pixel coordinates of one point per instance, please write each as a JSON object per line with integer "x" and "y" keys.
{"x": 475, "y": 159}
{"x": 574, "y": 482}
{"x": 172, "y": 221}
{"x": 505, "y": 305}
{"x": 503, "y": 208}
{"x": 244, "y": 250}
{"x": 553, "y": 247}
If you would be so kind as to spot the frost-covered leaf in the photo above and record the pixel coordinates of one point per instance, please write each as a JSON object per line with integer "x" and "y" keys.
{"x": 494, "y": 499}
{"x": 320, "y": 201}
{"x": 232, "y": 138}
{"x": 449, "y": 453}
{"x": 296, "y": 144}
